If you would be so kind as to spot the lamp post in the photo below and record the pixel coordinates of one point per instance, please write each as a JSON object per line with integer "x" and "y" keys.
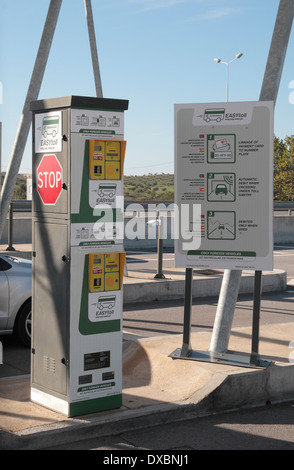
{"x": 230, "y": 286}
{"x": 219, "y": 61}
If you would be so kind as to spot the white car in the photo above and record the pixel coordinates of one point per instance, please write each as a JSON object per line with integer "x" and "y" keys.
{"x": 16, "y": 297}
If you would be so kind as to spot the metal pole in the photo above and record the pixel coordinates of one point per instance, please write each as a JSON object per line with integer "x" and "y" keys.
{"x": 94, "y": 53}
{"x": 26, "y": 117}
{"x": 0, "y": 165}
{"x": 159, "y": 274}
{"x": 10, "y": 229}
{"x": 277, "y": 53}
{"x": 224, "y": 313}
{"x": 269, "y": 92}
{"x": 228, "y": 82}
{"x": 186, "y": 346}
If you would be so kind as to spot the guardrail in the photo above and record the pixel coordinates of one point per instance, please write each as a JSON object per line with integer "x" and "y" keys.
{"x": 21, "y": 206}
{"x": 284, "y": 206}
{"x": 26, "y": 206}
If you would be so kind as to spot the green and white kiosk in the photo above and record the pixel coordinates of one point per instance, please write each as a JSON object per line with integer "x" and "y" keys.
{"x": 78, "y": 256}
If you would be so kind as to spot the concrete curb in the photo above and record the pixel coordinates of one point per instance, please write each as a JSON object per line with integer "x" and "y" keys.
{"x": 224, "y": 392}
{"x": 139, "y": 289}
{"x": 142, "y": 290}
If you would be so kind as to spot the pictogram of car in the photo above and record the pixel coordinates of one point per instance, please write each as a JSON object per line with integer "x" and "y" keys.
{"x": 221, "y": 188}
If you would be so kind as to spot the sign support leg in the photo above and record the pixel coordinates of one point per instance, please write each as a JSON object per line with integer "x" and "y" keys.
{"x": 256, "y": 316}
{"x": 228, "y": 358}
{"x": 186, "y": 346}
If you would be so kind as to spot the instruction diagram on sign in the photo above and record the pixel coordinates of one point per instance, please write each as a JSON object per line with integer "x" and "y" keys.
{"x": 221, "y": 225}
{"x": 221, "y": 187}
{"x": 221, "y": 148}
{"x": 90, "y": 122}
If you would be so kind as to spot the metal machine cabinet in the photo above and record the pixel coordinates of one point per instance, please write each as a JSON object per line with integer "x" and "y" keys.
{"x": 78, "y": 257}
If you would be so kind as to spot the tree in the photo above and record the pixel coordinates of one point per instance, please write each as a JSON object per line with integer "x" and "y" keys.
{"x": 284, "y": 169}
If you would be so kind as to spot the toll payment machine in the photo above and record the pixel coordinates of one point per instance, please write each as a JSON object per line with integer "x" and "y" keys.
{"x": 78, "y": 255}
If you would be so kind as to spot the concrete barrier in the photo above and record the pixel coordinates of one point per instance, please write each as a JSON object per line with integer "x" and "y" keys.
{"x": 139, "y": 289}
{"x": 283, "y": 229}
{"x": 22, "y": 231}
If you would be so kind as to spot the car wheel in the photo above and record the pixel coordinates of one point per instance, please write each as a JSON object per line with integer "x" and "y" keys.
{"x": 23, "y": 324}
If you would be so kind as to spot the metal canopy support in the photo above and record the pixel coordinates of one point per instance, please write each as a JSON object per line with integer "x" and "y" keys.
{"x": 26, "y": 117}
{"x": 224, "y": 315}
{"x": 93, "y": 46}
{"x": 269, "y": 91}
{"x": 231, "y": 281}
{"x": 0, "y": 161}
{"x": 33, "y": 93}
{"x": 277, "y": 53}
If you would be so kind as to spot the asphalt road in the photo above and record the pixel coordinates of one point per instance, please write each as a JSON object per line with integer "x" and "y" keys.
{"x": 283, "y": 259}
{"x": 166, "y": 317}
{"x": 160, "y": 318}
{"x": 267, "y": 428}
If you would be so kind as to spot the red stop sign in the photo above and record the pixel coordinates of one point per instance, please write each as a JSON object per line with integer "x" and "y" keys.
{"x": 49, "y": 179}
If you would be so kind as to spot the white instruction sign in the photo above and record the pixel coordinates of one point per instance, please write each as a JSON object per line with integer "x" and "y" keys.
{"x": 224, "y": 167}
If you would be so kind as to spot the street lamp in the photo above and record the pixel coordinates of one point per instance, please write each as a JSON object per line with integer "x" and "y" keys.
{"x": 219, "y": 61}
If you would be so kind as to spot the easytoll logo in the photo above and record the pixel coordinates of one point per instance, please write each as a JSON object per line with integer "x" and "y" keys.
{"x": 220, "y": 114}
{"x": 49, "y": 179}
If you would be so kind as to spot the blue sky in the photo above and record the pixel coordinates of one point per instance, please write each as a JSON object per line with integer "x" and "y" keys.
{"x": 155, "y": 53}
